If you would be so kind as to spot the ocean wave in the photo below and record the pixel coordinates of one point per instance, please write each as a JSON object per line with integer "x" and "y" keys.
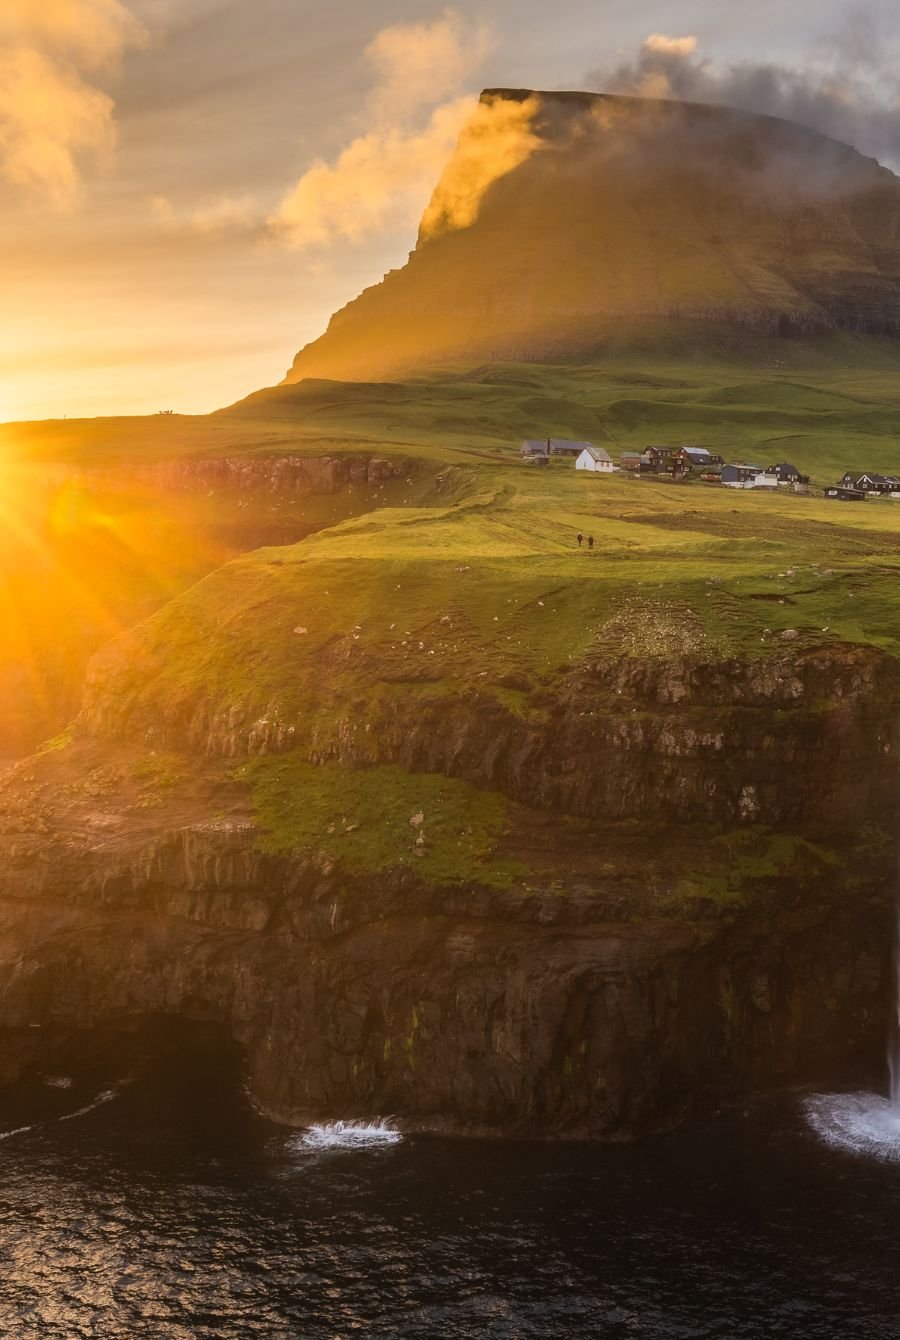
{"x": 349, "y": 1135}
{"x": 19, "y": 1130}
{"x": 862, "y": 1123}
{"x": 106, "y": 1096}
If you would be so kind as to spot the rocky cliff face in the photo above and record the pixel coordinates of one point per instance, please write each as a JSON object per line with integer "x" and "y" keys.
{"x": 730, "y": 741}
{"x": 607, "y": 995}
{"x": 619, "y": 219}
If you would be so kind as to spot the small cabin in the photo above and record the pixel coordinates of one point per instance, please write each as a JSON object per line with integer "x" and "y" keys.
{"x": 631, "y": 460}
{"x": 595, "y": 460}
{"x": 842, "y": 494}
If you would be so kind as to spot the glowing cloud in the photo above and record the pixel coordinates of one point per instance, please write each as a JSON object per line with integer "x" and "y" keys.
{"x": 416, "y": 112}
{"x": 671, "y": 46}
{"x": 52, "y": 114}
{"x": 495, "y": 140}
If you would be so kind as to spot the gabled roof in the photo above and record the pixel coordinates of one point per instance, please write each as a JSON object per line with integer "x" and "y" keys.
{"x": 699, "y": 454}
{"x": 597, "y": 453}
{"x": 535, "y": 445}
{"x": 785, "y": 466}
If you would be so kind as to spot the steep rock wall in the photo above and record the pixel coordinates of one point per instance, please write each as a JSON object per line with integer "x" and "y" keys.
{"x": 458, "y": 1011}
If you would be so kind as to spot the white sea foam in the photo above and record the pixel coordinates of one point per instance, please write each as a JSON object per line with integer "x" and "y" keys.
{"x": 19, "y": 1130}
{"x": 58, "y": 1081}
{"x": 863, "y": 1123}
{"x": 349, "y": 1135}
{"x": 106, "y": 1096}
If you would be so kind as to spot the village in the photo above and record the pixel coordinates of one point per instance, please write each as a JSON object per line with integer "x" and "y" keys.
{"x": 681, "y": 464}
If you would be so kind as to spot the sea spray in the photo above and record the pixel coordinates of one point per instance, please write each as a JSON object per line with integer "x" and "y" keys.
{"x": 349, "y": 1135}
{"x": 866, "y": 1123}
{"x": 106, "y": 1096}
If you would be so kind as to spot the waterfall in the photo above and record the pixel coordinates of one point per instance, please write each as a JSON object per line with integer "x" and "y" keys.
{"x": 894, "y": 1041}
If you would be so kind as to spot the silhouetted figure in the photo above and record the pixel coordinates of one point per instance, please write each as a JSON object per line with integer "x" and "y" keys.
{"x": 590, "y": 542}
{"x": 580, "y": 538}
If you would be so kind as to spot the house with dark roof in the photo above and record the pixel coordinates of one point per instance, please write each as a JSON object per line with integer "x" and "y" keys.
{"x": 698, "y": 458}
{"x": 741, "y": 476}
{"x": 553, "y": 446}
{"x": 787, "y": 473}
{"x": 870, "y": 482}
{"x": 841, "y": 494}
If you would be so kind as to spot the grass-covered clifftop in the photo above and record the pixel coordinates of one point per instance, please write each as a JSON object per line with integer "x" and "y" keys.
{"x": 438, "y": 619}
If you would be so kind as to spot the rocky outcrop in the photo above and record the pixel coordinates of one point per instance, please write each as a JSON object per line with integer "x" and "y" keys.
{"x": 285, "y": 475}
{"x": 726, "y": 741}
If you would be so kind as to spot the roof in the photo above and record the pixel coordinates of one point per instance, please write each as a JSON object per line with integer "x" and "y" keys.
{"x": 540, "y": 444}
{"x": 698, "y": 453}
{"x": 597, "y": 453}
{"x": 784, "y": 465}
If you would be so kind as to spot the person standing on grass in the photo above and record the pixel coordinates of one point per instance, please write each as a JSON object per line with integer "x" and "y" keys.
{"x": 580, "y": 538}
{"x": 591, "y": 543}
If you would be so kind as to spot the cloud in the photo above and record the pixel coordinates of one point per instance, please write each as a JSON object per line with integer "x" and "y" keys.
{"x": 497, "y": 137}
{"x": 217, "y": 216}
{"x": 53, "y": 116}
{"x": 847, "y": 90}
{"x": 422, "y": 64}
{"x": 416, "y": 112}
{"x": 671, "y": 46}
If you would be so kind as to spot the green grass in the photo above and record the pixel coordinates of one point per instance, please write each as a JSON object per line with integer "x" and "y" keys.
{"x": 378, "y": 819}
{"x": 828, "y": 403}
{"x": 491, "y": 595}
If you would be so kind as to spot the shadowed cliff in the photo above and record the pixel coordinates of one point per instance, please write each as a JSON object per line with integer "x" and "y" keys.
{"x": 624, "y": 220}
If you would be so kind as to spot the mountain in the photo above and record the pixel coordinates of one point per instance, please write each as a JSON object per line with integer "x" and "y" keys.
{"x": 591, "y": 221}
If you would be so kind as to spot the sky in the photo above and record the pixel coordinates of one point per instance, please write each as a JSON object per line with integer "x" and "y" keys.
{"x": 190, "y": 188}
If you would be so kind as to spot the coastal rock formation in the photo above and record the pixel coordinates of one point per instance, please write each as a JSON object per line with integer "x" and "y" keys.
{"x": 612, "y": 993}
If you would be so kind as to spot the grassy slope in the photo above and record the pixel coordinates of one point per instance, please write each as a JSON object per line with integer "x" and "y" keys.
{"x": 470, "y": 579}
{"x": 827, "y": 403}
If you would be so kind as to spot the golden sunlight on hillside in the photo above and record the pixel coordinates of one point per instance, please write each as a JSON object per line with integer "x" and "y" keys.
{"x": 80, "y": 557}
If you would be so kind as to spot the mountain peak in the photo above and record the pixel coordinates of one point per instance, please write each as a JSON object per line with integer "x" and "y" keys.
{"x": 564, "y": 219}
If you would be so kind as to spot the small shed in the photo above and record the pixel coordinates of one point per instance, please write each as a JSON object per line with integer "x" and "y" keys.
{"x": 842, "y": 494}
{"x": 595, "y": 460}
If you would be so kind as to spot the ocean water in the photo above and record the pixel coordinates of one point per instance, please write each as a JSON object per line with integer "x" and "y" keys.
{"x": 162, "y": 1206}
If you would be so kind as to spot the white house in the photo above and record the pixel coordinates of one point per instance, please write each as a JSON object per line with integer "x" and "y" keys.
{"x": 596, "y": 460}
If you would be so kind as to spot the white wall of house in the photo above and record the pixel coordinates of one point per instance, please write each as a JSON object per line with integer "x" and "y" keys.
{"x": 586, "y": 462}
